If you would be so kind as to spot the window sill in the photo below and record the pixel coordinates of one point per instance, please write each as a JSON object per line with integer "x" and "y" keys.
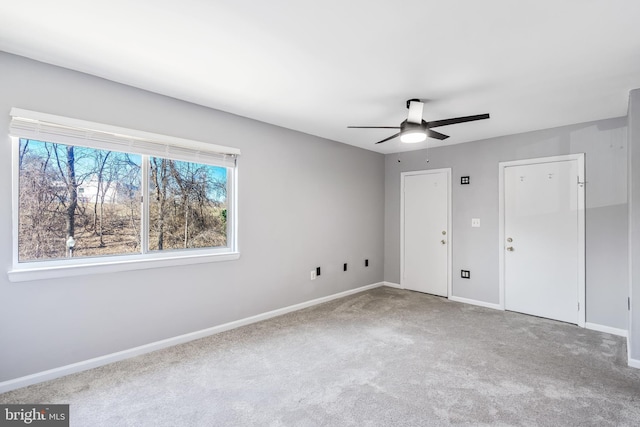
{"x": 58, "y": 271}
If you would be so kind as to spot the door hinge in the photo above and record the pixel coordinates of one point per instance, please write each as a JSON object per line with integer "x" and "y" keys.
{"x": 581, "y": 183}
{"x": 578, "y": 306}
{"x": 629, "y": 303}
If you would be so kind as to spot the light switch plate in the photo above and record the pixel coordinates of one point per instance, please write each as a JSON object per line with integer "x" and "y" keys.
{"x": 475, "y": 222}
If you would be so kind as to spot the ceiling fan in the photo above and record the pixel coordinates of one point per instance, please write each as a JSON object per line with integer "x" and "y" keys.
{"x": 415, "y": 129}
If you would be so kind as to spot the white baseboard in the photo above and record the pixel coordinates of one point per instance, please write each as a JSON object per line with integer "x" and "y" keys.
{"x": 476, "y": 302}
{"x": 84, "y": 365}
{"x": 607, "y": 329}
{"x": 634, "y": 363}
{"x": 392, "y": 285}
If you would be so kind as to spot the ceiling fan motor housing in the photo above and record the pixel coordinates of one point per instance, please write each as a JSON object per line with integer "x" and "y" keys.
{"x": 406, "y": 126}
{"x": 413, "y": 132}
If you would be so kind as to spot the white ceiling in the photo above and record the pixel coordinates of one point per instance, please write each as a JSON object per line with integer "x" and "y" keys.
{"x": 319, "y": 66}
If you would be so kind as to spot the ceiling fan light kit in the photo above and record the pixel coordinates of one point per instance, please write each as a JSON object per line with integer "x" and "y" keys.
{"x": 411, "y": 136}
{"x": 415, "y": 129}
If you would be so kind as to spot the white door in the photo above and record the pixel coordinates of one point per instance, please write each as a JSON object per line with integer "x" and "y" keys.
{"x": 425, "y": 231}
{"x": 542, "y": 239}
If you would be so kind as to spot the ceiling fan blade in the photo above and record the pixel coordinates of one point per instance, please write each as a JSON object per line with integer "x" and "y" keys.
{"x": 386, "y": 139}
{"x": 447, "y": 122}
{"x": 436, "y": 135}
{"x": 415, "y": 111}
{"x": 373, "y": 127}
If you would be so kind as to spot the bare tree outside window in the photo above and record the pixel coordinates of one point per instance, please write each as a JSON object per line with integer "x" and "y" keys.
{"x": 77, "y": 192}
{"x": 93, "y": 197}
{"x": 188, "y": 203}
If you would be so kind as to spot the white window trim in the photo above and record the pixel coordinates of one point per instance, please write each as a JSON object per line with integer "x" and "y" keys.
{"x": 51, "y": 269}
{"x": 99, "y": 265}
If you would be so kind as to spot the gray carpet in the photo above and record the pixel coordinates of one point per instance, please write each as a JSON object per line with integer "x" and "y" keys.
{"x": 385, "y": 357}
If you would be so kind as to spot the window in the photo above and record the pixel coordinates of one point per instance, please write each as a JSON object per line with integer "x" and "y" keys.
{"x": 91, "y": 196}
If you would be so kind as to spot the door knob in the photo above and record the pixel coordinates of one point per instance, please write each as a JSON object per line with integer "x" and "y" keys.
{"x": 510, "y": 248}
{"x": 443, "y": 242}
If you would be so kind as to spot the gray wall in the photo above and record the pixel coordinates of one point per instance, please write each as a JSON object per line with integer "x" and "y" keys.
{"x": 634, "y": 223}
{"x": 304, "y": 202}
{"x": 476, "y": 249}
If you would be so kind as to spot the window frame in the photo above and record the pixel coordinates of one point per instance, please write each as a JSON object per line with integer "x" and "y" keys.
{"x": 66, "y": 267}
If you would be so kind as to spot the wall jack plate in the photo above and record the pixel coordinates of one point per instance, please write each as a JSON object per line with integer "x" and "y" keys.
{"x": 313, "y": 275}
{"x": 465, "y": 274}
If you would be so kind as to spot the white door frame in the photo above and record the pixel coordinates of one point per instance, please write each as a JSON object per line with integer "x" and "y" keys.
{"x": 581, "y": 225}
{"x": 449, "y": 236}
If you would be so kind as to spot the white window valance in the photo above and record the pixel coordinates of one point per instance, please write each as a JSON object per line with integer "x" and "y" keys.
{"x": 65, "y": 130}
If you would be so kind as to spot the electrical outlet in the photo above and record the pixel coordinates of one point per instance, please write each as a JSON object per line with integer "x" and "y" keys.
{"x": 465, "y": 274}
{"x": 313, "y": 275}
{"x": 475, "y": 222}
